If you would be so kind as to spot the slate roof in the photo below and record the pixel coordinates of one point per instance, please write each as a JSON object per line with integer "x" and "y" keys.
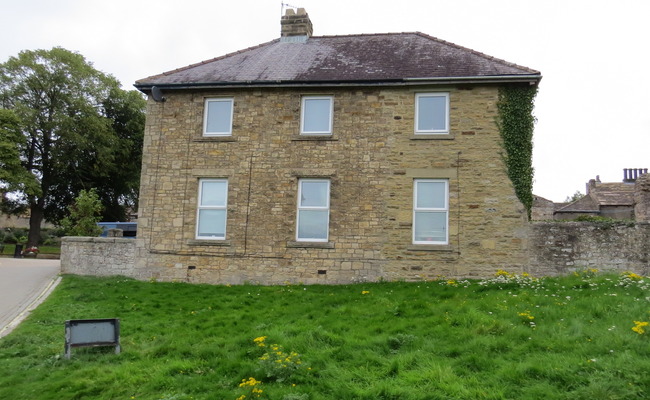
{"x": 584, "y": 204}
{"x": 614, "y": 194}
{"x": 603, "y": 194}
{"x": 375, "y": 58}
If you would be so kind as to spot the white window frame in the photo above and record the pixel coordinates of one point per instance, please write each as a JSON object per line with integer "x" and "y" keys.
{"x": 419, "y": 131}
{"x": 300, "y": 208}
{"x": 206, "y": 116}
{"x": 302, "y": 115}
{"x": 211, "y": 207}
{"x": 417, "y": 210}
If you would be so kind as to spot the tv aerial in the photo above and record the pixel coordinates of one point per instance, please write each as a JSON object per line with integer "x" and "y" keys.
{"x": 284, "y": 5}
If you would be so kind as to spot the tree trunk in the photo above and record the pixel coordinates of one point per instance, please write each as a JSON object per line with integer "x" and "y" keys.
{"x": 35, "y": 220}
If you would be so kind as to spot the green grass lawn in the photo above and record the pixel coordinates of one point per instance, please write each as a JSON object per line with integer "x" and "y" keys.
{"x": 8, "y": 249}
{"x": 510, "y": 337}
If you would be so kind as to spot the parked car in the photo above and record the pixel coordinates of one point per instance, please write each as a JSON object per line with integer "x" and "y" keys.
{"x": 129, "y": 229}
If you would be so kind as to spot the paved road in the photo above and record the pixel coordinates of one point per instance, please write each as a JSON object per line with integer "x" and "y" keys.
{"x": 24, "y": 283}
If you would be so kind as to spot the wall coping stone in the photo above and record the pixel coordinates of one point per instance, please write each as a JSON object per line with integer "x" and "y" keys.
{"x": 97, "y": 239}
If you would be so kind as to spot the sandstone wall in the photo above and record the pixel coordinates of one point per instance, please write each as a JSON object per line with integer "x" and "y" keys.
{"x": 555, "y": 249}
{"x": 98, "y": 256}
{"x": 560, "y": 248}
{"x": 371, "y": 159}
{"x": 642, "y": 198}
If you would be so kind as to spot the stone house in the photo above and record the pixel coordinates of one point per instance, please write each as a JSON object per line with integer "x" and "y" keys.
{"x": 329, "y": 159}
{"x": 605, "y": 199}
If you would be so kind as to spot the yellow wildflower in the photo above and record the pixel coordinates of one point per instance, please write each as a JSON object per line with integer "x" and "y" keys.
{"x": 638, "y": 328}
{"x": 250, "y": 382}
{"x": 526, "y": 314}
{"x": 260, "y": 341}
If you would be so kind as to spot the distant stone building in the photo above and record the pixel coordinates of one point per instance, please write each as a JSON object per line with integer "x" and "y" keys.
{"x": 543, "y": 209}
{"x": 616, "y": 200}
{"x": 329, "y": 159}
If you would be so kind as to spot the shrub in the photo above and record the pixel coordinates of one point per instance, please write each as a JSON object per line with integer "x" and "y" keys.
{"x": 85, "y": 213}
{"x": 10, "y": 238}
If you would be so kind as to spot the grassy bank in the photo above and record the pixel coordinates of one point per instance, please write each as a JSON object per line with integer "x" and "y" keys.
{"x": 510, "y": 337}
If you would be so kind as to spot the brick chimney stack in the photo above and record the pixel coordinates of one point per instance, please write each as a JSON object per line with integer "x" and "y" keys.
{"x": 296, "y": 26}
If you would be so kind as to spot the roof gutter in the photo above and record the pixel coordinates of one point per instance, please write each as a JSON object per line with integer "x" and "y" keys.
{"x": 530, "y": 79}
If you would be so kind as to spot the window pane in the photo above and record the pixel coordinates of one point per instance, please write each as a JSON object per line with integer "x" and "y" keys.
{"x": 430, "y": 226}
{"x": 213, "y": 193}
{"x": 212, "y": 223}
{"x": 316, "y": 115}
{"x": 430, "y": 195}
{"x": 313, "y": 194}
{"x": 432, "y": 113}
{"x": 219, "y": 116}
{"x": 312, "y": 224}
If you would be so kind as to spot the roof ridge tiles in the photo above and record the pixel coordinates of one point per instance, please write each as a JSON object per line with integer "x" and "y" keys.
{"x": 364, "y": 34}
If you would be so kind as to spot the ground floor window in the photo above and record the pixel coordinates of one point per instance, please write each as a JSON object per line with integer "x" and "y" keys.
{"x": 212, "y": 209}
{"x": 313, "y": 210}
{"x": 430, "y": 211}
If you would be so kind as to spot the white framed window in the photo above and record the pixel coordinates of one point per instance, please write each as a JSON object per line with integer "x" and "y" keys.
{"x": 217, "y": 117}
{"x": 316, "y": 115}
{"x": 430, "y": 211}
{"x": 431, "y": 113}
{"x": 313, "y": 210}
{"x": 212, "y": 209}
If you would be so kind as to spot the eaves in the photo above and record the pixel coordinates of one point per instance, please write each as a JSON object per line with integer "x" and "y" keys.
{"x": 531, "y": 79}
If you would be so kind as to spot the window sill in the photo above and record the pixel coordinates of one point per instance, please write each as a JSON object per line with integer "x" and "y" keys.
{"x": 215, "y": 139}
{"x": 446, "y": 136}
{"x": 431, "y": 247}
{"x": 310, "y": 245}
{"x": 209, "y": 242}
{"x": 302, "y": 138}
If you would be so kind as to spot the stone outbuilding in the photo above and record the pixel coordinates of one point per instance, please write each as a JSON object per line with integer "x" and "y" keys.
{"x": 615, "y": 200}
{"x": 329, "y": 159}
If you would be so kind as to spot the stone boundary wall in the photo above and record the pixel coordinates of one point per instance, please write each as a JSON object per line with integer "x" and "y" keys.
{"x": 98, "y": 256}
{"x": 555, "y": 249}
{"x": 561, "y": 248}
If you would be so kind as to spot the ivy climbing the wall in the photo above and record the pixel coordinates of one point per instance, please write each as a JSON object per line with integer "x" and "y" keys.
{"x": 516, "y": 123}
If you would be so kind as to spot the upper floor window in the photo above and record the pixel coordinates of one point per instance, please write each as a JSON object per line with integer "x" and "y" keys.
{"x": 316, "y": 115}
{"x": 430, "y": 211}
{"x": 212, "y": 209}
{"x": 313, "y": 210}
{"x": 431, "y": 113}
{"x": 217, "y": 118}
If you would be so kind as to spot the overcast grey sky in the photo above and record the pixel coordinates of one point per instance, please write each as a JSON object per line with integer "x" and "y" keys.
{"x": 593, "y": 106}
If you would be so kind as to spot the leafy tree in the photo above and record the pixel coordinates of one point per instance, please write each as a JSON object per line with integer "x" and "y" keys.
{"x": 119, "y": 186}
{"x": 576, "y": 196}
{"x": 13, "y": 176}
{"x": 85, "y": 213}
{"x": 80, "y": 130}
